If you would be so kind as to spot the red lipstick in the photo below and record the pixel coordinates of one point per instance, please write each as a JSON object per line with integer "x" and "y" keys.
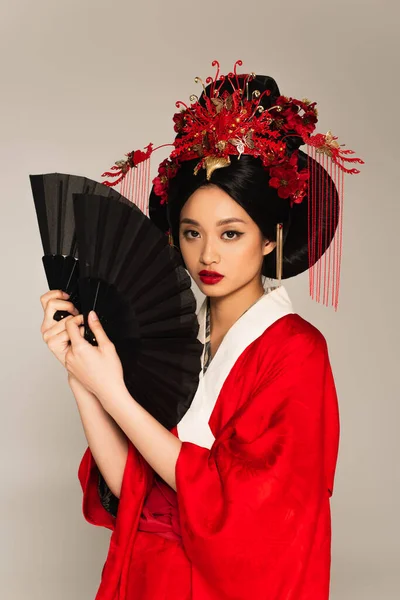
{"x": 210, "y": 277}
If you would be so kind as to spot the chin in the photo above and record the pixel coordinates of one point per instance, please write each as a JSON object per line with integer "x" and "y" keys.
{"x": 214, "y": 291}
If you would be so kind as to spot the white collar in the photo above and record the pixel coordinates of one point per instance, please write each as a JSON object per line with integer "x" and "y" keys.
{"x": 273, "y": 305}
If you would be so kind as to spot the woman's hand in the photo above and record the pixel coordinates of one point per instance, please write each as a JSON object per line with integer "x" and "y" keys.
{"x": 98, "y": 368}
{"x": 54, "y": 332}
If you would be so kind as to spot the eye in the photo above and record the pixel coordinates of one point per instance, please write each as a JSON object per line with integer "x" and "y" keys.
{"x": 187, "y": 231}
{"x": 237, "y": 234}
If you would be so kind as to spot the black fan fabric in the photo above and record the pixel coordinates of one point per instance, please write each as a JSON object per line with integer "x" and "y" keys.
{"x": 53, "y": 199}
{"x": 135, "y": 282}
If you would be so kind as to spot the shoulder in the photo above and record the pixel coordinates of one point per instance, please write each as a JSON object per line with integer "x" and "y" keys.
{"x": 293, "y": 338}
{"x": 293, "y": 326}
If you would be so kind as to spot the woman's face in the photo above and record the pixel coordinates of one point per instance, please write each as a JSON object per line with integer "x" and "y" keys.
{"x": 216, "y": 234}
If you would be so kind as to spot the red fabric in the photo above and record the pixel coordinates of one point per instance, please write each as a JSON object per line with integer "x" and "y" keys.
{"x": 160, "y": 512}
{"x": 161, "y": 570}
{"x": 255, "y": 509}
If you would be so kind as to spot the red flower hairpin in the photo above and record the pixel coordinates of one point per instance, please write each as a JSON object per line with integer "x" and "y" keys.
{"x": 232, "y": 124}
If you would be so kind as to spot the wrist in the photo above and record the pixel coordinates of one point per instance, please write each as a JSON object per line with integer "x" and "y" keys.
{"x": 78, "y": 389}
{"x": 111, "y": 395}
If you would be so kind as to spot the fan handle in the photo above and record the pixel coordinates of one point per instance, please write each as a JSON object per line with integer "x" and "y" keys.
{"x": 59, "y": 315}
{"x": 62, "y": 273}
{"x": 88, "y": 333}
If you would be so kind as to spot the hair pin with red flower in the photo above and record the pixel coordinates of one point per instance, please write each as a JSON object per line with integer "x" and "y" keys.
{"x": 233, "y": 124}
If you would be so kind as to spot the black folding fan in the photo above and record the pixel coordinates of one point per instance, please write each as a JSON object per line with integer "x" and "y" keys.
{"x": 52, "y": 195}
{"x": 135, "y": 282}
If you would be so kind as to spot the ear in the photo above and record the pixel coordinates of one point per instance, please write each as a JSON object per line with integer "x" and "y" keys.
{"x": 268, "y": 247}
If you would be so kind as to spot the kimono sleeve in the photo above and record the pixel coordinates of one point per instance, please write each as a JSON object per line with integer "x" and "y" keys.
{"x": 249, "y": 506}
{"x": 99, "y": 506}
{"x": 93, "y": 508}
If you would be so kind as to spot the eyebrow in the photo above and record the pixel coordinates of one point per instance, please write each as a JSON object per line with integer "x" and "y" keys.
{"x": 221, "y": 222}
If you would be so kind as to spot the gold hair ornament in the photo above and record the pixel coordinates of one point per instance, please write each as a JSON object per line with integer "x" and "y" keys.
{"x": 279, "y": 251}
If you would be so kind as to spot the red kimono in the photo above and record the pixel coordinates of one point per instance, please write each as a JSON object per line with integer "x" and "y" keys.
{"x": 251, "y": 516}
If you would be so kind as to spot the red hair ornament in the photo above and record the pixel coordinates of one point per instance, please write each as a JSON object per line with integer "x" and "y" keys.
{"x": 225, "y": 124}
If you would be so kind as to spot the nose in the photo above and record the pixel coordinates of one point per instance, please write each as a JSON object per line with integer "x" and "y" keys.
{"x": 209, "y": 253}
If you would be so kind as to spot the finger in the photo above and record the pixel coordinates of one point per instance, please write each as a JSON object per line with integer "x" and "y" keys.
{"x": 50, "y": 310}
{"x": 52, "y": 294}
{"x": 56, "y": 340}
{"x": 79, "y": 320}
{"x": 60, "y": 326}
{"x": 55, "y": 328}
{"x": 54, "y": 304}
{"x": 97, "y": 329}
{"x": 72, "y": 327}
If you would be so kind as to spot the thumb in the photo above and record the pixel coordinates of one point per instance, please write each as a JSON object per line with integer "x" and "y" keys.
{"x": 97, "y": 328}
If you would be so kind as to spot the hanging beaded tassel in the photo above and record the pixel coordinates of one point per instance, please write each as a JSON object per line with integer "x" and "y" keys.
{"x": 326, "y": 198}
{"x": 133, "y": 175}
{"x": 136, "y": 186}
{"x": 324, "y": 274}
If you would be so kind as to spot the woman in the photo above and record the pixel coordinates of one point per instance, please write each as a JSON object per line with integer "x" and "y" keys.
{"x": 234, "y": 502}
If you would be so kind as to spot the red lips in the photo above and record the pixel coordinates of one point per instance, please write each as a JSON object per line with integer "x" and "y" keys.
{"x": 210, "y": 273}
{"x": 210, "y": 277}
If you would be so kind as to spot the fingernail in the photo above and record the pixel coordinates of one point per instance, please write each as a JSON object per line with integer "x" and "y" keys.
{"x": 93, "y": 315}
{"x": 65, "y": 295}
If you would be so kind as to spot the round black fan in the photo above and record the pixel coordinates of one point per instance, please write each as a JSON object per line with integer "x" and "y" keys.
{"x": 53, "y": 198}
{"x": 135, "y": 282}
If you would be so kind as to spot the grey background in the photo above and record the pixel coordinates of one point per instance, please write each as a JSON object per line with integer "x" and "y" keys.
{"x": 83, "y": 82}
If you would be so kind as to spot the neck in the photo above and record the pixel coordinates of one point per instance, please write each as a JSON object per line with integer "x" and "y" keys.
{"x": 226, "y": 310}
